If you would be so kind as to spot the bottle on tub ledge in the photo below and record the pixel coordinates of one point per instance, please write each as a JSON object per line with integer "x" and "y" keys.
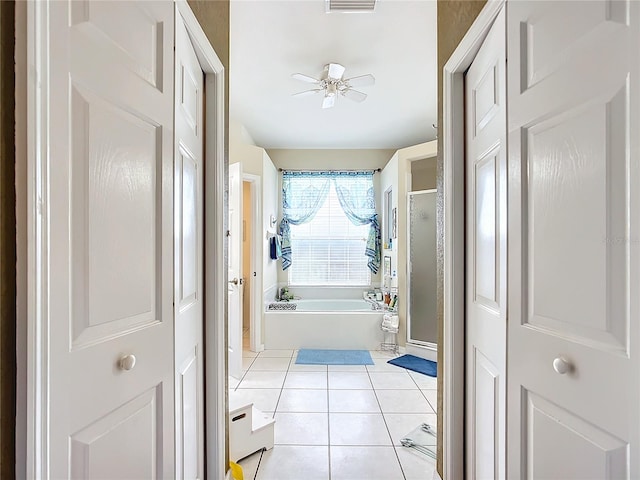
{"x": 394, "y": 303}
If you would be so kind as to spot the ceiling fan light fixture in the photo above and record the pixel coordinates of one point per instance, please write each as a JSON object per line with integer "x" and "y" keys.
{"x": 332, "y": 83}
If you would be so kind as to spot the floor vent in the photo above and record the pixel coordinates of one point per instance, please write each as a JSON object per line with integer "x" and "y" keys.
{"x": 350, "y": 6}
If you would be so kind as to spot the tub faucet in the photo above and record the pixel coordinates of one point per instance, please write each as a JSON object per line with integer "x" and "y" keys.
{"x": 374, "y": 304}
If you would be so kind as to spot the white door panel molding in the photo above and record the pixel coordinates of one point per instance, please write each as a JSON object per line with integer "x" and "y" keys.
{"x": 189, "y": 258}
{"x": 486, "y": 270}
{"x": 573, "y": 344}
{"x": 101, "y": 244}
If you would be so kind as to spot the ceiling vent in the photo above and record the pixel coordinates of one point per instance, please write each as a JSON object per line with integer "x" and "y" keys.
{"x": 350, "y": 6}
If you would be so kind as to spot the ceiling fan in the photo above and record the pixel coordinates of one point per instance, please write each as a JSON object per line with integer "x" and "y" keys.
{"x": 332, "y": 84}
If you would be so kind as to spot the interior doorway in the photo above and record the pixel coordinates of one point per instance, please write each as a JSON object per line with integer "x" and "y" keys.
{"x": 247, "y": 266}
{"x": 251, "y": 242}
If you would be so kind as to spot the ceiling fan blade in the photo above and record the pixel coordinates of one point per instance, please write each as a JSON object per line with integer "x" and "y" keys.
{"x": 361, "y": 81}
{"x": 354, "y": 95}
{"x": 329, "y": 101}
{"x": 305, "y": 78}
{"x": 336, "y": 70}
{"x": 308, "y": 92}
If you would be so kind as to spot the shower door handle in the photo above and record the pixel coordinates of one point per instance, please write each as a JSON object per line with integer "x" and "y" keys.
{"x": 236, "y": 281}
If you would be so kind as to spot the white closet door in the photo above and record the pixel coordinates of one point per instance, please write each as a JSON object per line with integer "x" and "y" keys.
{"x": 109, "y": 252}
{"x": 574, "y": 240}
{"x": 486, "y": 252}
{"x": 188, "y": 258}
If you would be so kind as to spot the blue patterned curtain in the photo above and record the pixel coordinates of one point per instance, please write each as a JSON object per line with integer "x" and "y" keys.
{"x": 303, "y": 193}
{"x": 357, "y": 199}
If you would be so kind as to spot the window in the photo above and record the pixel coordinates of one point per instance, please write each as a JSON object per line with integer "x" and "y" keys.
{"x": 329, "y": 250}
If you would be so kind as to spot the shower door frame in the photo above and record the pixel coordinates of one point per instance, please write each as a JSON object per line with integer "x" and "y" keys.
{"x": 413, "y": 342}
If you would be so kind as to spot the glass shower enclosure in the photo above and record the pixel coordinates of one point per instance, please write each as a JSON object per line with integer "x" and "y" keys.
{"x": 422, "y": 321}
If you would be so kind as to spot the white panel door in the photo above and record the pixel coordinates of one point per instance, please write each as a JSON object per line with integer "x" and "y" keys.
{"x": 486, "y": 253}
{"x": 235, "y": 270}
{"x": 188, "y": 258}
{"x": 574, "y": 230}
{"x": 109, "y": 211}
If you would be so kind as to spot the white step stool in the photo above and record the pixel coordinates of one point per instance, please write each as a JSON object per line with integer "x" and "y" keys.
{"x": 250, "y": 430}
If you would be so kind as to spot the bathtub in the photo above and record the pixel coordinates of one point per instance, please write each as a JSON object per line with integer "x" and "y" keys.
{"x": 317, "y": 305}
{"x": 326, "y": 323}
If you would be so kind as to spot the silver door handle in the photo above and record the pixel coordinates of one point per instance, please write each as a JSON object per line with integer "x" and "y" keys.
{"x": 561, "y": 365}
{"x": 127, "y": 362}
{"x": 236, "y": 281}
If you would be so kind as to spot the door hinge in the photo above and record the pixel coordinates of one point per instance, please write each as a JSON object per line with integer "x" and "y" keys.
{"x": 254, "y": 274}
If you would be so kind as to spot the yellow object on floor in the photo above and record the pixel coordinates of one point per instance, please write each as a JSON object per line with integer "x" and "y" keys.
{"x": 236, "y": 471}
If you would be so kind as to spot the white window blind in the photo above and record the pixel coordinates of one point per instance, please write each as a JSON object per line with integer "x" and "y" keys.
{"x": 329, "y": 250}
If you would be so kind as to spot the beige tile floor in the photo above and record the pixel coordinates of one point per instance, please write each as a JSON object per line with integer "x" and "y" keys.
{"x": 337, "y": 422}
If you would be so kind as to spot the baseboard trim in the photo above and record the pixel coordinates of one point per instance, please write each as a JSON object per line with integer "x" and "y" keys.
{"x": 423, "y": 351}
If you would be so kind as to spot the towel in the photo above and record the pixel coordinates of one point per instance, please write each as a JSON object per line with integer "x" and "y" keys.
{"x": 285, "y": 235}
{"x": 372, "y": 250}
{"x": 275, "y": 247}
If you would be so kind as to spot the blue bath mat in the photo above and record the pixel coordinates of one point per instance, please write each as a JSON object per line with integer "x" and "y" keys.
{"x": 333, "y": 357}
{"x": 417, "y": 364}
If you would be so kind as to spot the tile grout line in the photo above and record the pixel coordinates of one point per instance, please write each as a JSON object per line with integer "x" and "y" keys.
{"x": 422, "y": 392}
{"x": 384, "y": 419}
{"x": 275, "y": 409}
{"x": 255, "y": 475}
{"x": 286, "y": 373}
{"x": 435, "y": 409}
{"x": 245, "y": 373}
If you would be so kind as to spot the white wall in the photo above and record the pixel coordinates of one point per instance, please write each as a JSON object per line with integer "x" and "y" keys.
{"x": 423, "y": 174}
{"x": 336, "y": 159}
{"x": 389, "y": 179}
{"x": 256, "y": 161}
{"x": 242, "y": 149}
{"x": 269, "y": 207}
{"x": 397, "y": 175}
{"x": 238, "y": 135}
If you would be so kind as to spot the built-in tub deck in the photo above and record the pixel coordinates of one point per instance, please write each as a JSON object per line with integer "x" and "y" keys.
{"x": 328, "y": 323}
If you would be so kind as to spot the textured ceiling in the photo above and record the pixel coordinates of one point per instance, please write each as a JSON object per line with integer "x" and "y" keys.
{"x": 270, "y": 40}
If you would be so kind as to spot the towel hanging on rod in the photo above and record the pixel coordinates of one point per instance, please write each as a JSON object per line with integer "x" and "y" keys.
{"x": 275, "y": 247}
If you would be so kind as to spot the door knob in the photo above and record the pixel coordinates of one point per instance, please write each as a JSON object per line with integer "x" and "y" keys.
{"x": 235, "y": 281}
{"x": 127, "y": 362}
{"x": 561, "y": 365}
